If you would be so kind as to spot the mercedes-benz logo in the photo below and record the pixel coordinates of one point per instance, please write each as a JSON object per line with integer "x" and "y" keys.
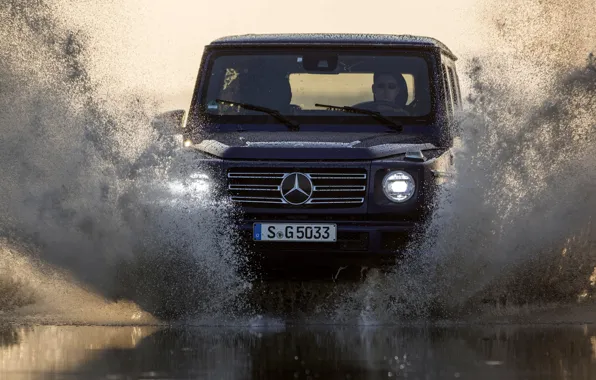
{"x": 296, "y": 188}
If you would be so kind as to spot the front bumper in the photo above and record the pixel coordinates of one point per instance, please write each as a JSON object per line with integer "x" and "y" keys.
{"x": 356, "y": 240}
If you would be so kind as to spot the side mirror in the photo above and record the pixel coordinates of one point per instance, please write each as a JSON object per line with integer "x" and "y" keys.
{"x": 169, "y": 123}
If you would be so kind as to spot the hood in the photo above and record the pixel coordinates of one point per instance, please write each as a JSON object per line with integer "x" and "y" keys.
{"x": 310, "y": 146}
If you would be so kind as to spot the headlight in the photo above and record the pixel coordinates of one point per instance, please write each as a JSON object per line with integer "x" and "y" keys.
{"x": 398, "y": 186}
{"x": 200, "y": 182}
{"x": 197, "y": 183}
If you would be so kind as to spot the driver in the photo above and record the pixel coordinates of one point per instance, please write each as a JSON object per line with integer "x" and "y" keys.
{"x": 390, "y": 92}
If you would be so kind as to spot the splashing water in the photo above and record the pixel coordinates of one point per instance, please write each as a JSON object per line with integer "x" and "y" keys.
{"x": 88, "y": 182}
{"x": 516, "y": 225}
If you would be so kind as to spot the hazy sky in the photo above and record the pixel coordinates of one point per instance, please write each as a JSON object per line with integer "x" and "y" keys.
{"x": 155, "y": 45}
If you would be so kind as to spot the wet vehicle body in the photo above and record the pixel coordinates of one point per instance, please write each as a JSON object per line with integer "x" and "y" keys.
{"x": 315, "y": 181}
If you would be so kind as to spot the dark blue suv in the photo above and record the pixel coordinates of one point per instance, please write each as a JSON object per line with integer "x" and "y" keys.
{"x": 332, "y": 145}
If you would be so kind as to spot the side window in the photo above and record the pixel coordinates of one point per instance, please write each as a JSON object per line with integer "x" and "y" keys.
{"x": 448, "y": 95}
{"x": 454, "y": 88}
{"x": 458, "y": 88}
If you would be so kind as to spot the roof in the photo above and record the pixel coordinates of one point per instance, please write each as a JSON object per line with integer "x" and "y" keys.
{"x": 332, "y": 39}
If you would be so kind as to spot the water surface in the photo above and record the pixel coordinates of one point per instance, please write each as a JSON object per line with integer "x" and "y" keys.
{"x": 306, "y": 352}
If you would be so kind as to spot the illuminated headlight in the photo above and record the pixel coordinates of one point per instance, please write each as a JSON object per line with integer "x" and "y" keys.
{"x": 197, "y": 183}
{"x": 398, "y": 186}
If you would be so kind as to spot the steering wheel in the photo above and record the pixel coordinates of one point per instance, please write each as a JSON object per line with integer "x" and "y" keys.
{"x": 382, "y": 105}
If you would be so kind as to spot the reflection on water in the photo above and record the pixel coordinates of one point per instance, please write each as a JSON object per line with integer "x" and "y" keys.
{"x": 297, "y": 353}
{"x": 8, "y": 336}
{"x": 41, "y": 351}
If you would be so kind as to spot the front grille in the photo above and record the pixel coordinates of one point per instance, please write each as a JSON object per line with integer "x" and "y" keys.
{"x": 330, "y": 187}
{"x": 318, "y": 217}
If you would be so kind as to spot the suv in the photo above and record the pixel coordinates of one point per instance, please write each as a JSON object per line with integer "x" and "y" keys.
{"x": 332, "y": 145}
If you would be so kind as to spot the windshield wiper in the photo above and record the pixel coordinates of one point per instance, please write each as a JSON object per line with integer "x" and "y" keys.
{"x": 275, "y": 113}
{"x": 377, "y": 115}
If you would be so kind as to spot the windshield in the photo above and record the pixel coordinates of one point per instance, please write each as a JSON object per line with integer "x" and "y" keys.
{"x": 297, "y": 84}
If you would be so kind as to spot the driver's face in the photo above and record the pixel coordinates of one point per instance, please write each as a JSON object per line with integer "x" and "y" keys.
{"x": 385, "y": 88}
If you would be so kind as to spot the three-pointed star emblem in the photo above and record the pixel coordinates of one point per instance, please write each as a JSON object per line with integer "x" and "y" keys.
{"x": 296, "y": 188}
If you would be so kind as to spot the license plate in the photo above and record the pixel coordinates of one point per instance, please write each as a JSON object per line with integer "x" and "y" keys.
{"x": 295, "y": 232}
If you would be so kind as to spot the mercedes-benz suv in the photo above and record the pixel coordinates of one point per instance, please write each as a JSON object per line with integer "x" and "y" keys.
{"x": 331, "y": 146}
